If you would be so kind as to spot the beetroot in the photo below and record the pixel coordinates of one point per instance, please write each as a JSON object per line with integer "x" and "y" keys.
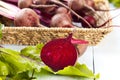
{"x": 61, "y": 10}
{"x": 76, "y": 4}
{"x": 40, "y": 2}
{"x": 24, "y": 3}
{"x": 26, "y": 17}
{"x": 91, "y": 20}
{"x": 61, "y": 20}
{"x": 60, "y": 53}
{"x": 70, "y": 6}
{"x": 90, "y": 3}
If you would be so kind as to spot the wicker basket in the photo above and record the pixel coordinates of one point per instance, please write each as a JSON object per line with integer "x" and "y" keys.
{"x": 35, "y": 35}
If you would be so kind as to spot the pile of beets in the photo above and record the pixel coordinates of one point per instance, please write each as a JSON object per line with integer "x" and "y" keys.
{"x": 52, "y": 13}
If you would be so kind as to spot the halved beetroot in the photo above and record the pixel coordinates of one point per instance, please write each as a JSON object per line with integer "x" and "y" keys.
{"x": 60, "y": 53}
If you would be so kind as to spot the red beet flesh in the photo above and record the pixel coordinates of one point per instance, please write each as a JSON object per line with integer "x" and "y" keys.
{"x": 59, "y": 53}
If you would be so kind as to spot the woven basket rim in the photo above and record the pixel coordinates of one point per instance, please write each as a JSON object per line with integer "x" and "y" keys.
{"x": 14, "y": 35}
{"x": 56, "y": 29}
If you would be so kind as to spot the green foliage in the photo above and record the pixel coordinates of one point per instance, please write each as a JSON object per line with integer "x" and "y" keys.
{"x": 32, "y": 51}
{"x": 3, "y": 69}
{"x": 27, "y": 65}
{"x": 1, "y": 26}
{"x": 116, "y": 3}
{"x": 16, "y": 63}
{"x": 80, "y": 70}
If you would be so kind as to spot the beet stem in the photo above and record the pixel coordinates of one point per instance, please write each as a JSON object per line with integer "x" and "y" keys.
{"x": 107, "y": 10}
{"x": 6, "y": 13}
{"x": 76, "y": 41}
{"x": 15, "y": 1}
{"x": 8, "y": 10}
{"x": 108, "y": 21}
{"x": 94, "y": 11}
{"x": 114, "y": 26}
{"x": 42, "y": 6}
{"x": 69, "y": 37}
{"x": 42, "y": 26}
{"x": 9, "y": 6}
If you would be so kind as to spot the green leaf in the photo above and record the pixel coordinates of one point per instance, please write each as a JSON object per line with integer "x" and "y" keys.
{"x": 80, "y": 70}
{"x": 32, "y": 52}
{"x": 1, "y": 26}
{"x": 46, "y": 75}
{"x": 3, "y": 69}
{"x": 16, "y": 63}
{"x": 40, "y": 46}
{"x": 9, "y": 51}
{"x": 116, "y": 3}
{"x": 2, "y": 77}
{"x": 21, "y": 76}
{"x": 35, "y": 64}
{"x": 21, "y": 65}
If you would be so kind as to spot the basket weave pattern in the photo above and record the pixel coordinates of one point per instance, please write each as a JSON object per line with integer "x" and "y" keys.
{"x": 32, "y": 36}
{"x": 35, "y": 35}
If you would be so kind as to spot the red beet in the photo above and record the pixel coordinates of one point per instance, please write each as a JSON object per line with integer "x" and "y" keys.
{"x": 69, "y": 7}
{"x": 60, "y": 53}
{"x": 62, "y": 10}
{"x": 90, "y": 3}
{"x": 36, "y": 4}
{"x": 26, "y": 17}
{"x": 91, "y": 20}
{"x": 61, "y": 20}
{"x": 76, "y": 4}
{"x": 24, "y": 3}
{"x": 42, "y": 2}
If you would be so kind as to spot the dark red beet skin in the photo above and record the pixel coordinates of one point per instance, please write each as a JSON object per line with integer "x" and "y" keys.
{"x": 59, "y": 53}
{"x": 91, "y": 20}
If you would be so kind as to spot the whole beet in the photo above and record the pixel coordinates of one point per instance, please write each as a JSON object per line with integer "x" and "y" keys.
{"x": 61, "y": 20}
{"x": 59, "y": 53}
{"x": 26, "y": 17}
{"x": 62, "y": 52}
{"x": 42, "y": 2}
{"x": 91, "y": 20}
{"x": 24, "y": 3}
